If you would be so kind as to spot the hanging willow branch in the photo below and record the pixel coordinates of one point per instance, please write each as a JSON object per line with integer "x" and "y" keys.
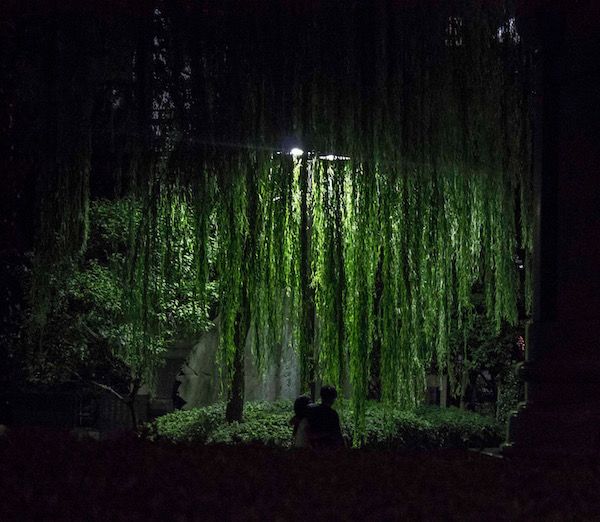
{"x": 433, "y": 203}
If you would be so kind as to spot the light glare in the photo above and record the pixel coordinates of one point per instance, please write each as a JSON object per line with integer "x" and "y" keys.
{"x": 332, "y": 157}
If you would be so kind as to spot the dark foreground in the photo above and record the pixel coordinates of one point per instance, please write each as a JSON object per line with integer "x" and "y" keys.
{"x": 49, "y": 476}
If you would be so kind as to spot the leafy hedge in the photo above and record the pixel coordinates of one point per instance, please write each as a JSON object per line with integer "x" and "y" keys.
{"x": 267, "y": 423}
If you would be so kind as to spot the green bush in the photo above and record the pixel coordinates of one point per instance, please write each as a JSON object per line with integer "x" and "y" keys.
{"x": 188, "y": 425}
{"x": 423, "y": 428}
{"x": 386, "y": 428}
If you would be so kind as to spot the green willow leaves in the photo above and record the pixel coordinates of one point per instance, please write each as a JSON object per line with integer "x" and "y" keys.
{"x": 383, "y": 248}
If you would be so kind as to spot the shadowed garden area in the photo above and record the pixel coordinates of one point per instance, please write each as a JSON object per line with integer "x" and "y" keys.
{"x": 221, "y": 208}
{"x": 50, "y": 476}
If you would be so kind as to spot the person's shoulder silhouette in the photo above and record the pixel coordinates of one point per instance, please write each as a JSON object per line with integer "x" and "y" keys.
{"x": 325, "y": 431}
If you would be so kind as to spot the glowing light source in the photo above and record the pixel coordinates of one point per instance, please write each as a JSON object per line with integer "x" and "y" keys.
{"x": 296, "y": 152}
{"x": 332, "y": 157}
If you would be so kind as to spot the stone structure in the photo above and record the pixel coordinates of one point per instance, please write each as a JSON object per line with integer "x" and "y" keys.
{"x": 195, "y": 367}
{"x": 562, "y": 370}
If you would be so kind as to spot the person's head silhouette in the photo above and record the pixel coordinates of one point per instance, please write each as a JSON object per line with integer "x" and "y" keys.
{"x": 301, "y": 405}
{"x": 328, "y": 395}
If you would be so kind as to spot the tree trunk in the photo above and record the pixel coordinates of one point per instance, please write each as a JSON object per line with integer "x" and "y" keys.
{"x": 468, "y": 394}
{"x": 129, "y": 401}
{"x": 374, "y": 391}
{"x": 341, "y": 280}
{"x": 234, "y": 410}
{"x": 307, "y": 356}
{"x": 464, "y": 382}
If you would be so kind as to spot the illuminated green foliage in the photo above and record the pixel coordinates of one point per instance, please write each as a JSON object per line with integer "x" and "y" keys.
{"x": 383, "y": 247}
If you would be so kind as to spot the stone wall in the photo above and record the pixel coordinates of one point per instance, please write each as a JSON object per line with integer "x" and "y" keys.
{"x": 201, "y": 383}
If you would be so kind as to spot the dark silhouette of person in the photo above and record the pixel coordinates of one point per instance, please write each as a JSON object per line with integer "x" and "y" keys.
{"x": 299, "y": 422}
{"x": 324, "y": 422}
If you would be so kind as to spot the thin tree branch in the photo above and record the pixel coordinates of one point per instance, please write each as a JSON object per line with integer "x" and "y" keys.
{"x": 109, "y": 389}
{"x": 100, "y": 385}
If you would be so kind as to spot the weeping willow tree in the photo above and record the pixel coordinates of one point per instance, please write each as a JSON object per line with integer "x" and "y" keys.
{"x": 414, "y": 187}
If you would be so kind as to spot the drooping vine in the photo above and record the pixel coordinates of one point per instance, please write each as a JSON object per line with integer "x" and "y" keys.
{"x": 414, "y": 190}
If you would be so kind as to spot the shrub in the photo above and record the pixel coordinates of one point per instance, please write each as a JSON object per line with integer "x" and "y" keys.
{"x": 187, "y": 425}
{"x": 386, "y": 428}
{"x": 462, "y": 429}
{"x": 423, "y": 428}
{"x": 264, "y": 423}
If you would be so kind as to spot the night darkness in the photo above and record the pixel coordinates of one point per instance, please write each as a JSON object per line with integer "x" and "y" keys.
{"x": 210, "y": 208}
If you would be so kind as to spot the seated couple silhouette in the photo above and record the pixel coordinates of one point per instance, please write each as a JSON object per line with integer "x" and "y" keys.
{"x": 317, "y": 426}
